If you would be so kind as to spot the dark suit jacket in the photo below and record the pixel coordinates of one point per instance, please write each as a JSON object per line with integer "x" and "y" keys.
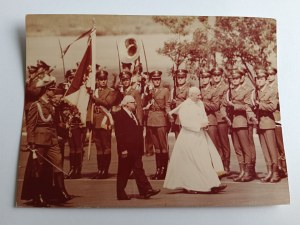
{"x": 129, "y": 135}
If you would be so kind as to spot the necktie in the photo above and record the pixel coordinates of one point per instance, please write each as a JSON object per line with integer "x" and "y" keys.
{"x": 134, "y": 118}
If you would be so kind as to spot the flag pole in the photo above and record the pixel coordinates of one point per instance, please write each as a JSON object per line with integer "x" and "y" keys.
{"x": 91, "y": 133}
{"x": 62, "y": 57}
{"x": 118, "y": 57}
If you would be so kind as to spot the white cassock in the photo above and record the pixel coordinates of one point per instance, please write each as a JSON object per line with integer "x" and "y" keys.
{"x": 195, "y": 162}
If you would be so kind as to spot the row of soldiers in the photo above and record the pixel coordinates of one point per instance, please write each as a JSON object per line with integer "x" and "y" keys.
{"x": 230, "y": 102}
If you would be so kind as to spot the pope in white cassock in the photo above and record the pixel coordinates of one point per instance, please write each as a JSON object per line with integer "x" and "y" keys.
{"x": 195, "y": 163}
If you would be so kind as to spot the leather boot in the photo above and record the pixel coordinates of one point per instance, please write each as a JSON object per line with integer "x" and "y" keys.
{"x": 72, "y": 172}
{"x": 106, "y": 163}
{"x": 275, "y": 176}
{"x": 268, "y": 177}
{"x": 248, "y": 176}
{"x": 283, "y": 169}
{"x": 226, "y": 167}
{"x": 164, "y": 163}
{"x": 253, "y": 170}
{"x": 62, "y": 193}
{"x": 158, "y": 167}
{"x": 39, "y": 201}
{"x": 100, "y": 163}
{"x": 78, "y": 161}
{"x": 242, "y": 172}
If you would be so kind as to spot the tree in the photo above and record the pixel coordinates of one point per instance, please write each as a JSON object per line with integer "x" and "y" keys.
{"x": 177, "y": 48}
{"x": 248, "y": 40}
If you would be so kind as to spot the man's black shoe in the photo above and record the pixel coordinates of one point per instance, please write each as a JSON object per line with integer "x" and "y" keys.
{"x": 150, "y": 193}
{"x": 124, "y": 197}
{"x": 219, "y": 188}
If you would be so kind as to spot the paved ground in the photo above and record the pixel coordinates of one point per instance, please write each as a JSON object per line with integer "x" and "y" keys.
{"x": 101, "y": 193}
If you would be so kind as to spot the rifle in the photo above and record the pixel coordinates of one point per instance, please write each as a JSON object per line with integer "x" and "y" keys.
{"x": 229, "y": 109}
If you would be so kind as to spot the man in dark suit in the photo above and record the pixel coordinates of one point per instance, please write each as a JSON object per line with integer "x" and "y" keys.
{"x": 129, "y": 135}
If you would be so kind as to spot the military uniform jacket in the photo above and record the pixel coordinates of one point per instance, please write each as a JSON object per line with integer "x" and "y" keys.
{"x": 240, "y": 98}
{"x": 221, "y": 90}
{"x": 41, "y": 129}
{"x": 181, "y": 96}
{"x": 251, "y": 90}
{"x": 157, "y": 112}
{"x": 31, "y": 94}
{"x": 268, "y": 102}
{"x": 276, "y": 114}
{"x": 210, "y": 99}
{"x": 104, "y": 100}
{"x": 137, "y": 97}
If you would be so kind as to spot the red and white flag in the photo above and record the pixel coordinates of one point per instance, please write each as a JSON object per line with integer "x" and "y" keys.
{"x": 84, "y": 80}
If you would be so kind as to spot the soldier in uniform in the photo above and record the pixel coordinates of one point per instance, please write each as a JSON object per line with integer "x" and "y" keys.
{"x": 127, "y": 89}
{"x": 251, "y": 123}
{"x": 104, "y": 98}
{"x": 43, "y": 143}
{"x": 210, "y": 99}
{"x": 221, "y": 89}
{"x": 178, "y": 95}
{"x": 272, "y": 72}
{"x": 157, "y": 124}
{"x": 240, "y": 102}
{"x": 266, "y": 104}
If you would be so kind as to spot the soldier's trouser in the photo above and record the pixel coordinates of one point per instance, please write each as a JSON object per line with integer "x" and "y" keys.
{"x": 268, "y": 145}
{"x": 224, "y": 140}
{"x": 177, "y": 129}
{"x": 213, "y": 134}
{"x": 149, "y": 147}
{"x": 253, "y": 151}
{"x": 241, "y": 143}
{"x": 159, "y": 138}
{"x": 75, "y": 141}
{"x": 102, "y": 140}
{"x": 279, "y": 140}
{"x": 53, "y": 154}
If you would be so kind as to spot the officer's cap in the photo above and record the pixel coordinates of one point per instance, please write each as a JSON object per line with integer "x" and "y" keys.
{"x": 218, "y": 71}
{"x": 47, "y": 81}
{"x": 236, "y": 73}
{"x": 125, "y": 75}
{"x": 31, "y": 69}
{"x": 42, "y": 64}
{"x": 205, "y": 73}
{"x": 271, "y": 71}
{"x": 181, "y": 73}
{"x": 70, "y": 72}
{"x": 101, "y": 75}
{"x": 155, "y": 74}
{"x": 261, "y": 73}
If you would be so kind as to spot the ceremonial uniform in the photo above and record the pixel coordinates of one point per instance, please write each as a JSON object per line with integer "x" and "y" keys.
{"x": 104, "y": 99}
{"x": 43, "y": 141}
{"x": 157, "y": 123}
{"x": 178, "y": 95}
{"x": 241, "y": 103}
{"x": 267, "y": 102}
{"x": 210, "y": 99}
{"x": 221, "y": 90}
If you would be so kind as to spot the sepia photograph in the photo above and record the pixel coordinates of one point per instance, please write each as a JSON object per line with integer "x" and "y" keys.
{"x": 151, "y": 111}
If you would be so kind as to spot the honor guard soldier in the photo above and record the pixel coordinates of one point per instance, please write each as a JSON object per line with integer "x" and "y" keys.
{"x": 221, "y": 89}
{"x": 240, "y": 102}
{"x": 178, "y": 95}
{"x": 43, "y": 141}
{"x": 104, "y": 98}
{"x": 266, "y": 104}
{"x": 210, "y": 99}
{"x": 272, "y": 82}
{"x": 157, "y": 124}
{"x": 69, "y": 76}
{"x": 127, "y": 89}
{"x": 250, "y": 87}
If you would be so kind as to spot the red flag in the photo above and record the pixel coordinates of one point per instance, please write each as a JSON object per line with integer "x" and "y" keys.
{"x": 84, "y": 80}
